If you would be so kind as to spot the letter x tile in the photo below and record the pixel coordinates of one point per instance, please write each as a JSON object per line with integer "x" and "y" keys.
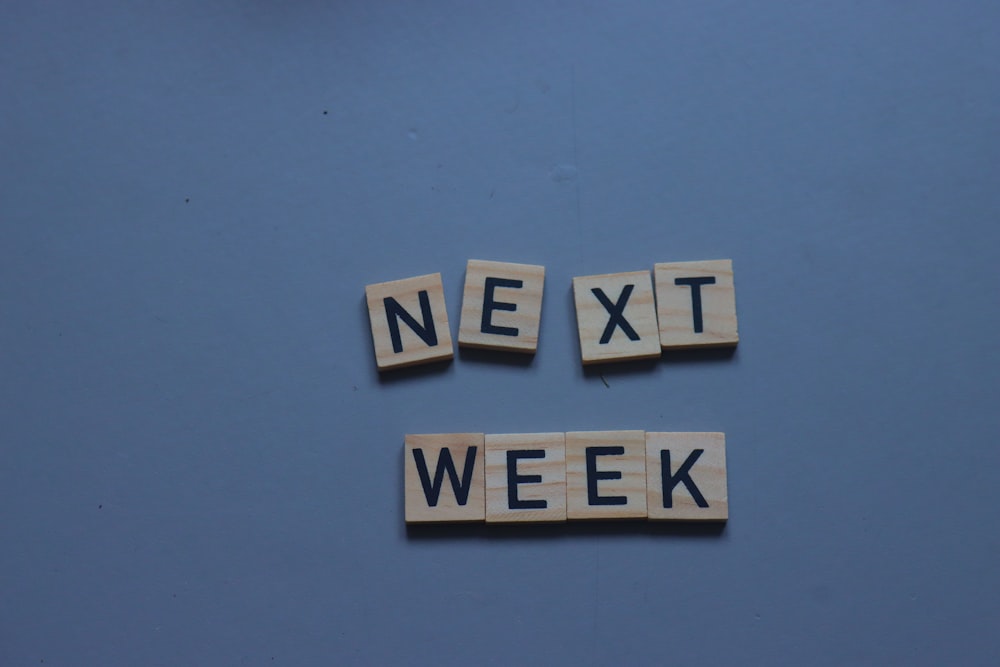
{"x": 616, "y": 317}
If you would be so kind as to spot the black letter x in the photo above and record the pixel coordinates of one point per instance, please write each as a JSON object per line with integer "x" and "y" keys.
{"x": 616, "y": 310}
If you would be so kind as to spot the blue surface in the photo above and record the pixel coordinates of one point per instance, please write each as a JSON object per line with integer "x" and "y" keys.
{"x": 200, "y": 466}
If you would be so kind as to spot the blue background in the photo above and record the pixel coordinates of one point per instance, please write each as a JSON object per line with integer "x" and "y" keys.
{"x": 199, "y": 464}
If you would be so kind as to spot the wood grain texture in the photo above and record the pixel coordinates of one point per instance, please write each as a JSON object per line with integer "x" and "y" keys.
{"x": 630, "y": 463}
{"x": 675, "y": 304}
{"x": 550, "y": 489}
{"x": 448, "y": 507}
{"x": 592, "y": 317}
{"x": 414, "y": 350}
{"x": 709, "y": 499}
{"x": 526, "y": 300}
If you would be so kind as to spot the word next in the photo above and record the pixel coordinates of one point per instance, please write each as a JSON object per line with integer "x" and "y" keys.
{"x": 620, "y": 316}
{"x": 549, "y": 477}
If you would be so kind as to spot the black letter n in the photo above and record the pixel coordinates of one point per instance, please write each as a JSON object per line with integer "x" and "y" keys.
{"x": 395, "y": 312}
{"x": 432, "y": 490}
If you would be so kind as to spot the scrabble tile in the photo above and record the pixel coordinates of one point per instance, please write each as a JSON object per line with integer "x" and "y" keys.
{"x": 526, "y": 477}
{"x": 696, "y": 304}
{"x": 616, "y": 317}
{"x": 409, "y": 322}
{"x": 501, "y": 306}
{"x": 606, "y": 475}
{"x": 444, "y": 477}
{"x": 692, "y": 469}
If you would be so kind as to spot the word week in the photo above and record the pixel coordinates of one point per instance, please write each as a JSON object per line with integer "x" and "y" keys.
{"x": 549, "y": 477}
{"x": 619, "y": 316}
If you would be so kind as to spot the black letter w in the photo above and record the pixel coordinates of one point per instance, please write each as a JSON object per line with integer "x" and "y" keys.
{"x": 432, "y": 490}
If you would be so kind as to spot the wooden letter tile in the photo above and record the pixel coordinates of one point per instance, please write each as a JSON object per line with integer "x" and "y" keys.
{"x": 525, "y": 477}
{"x": 409, "y": 322}
{"x": 686, "y": 476}
{"x": 501, "y": 306}
{"x": 606, "y": 475}
{"x": 696, "y": 304}
{"x": 616, "y": 317}
{"x": 445, "y": 477}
